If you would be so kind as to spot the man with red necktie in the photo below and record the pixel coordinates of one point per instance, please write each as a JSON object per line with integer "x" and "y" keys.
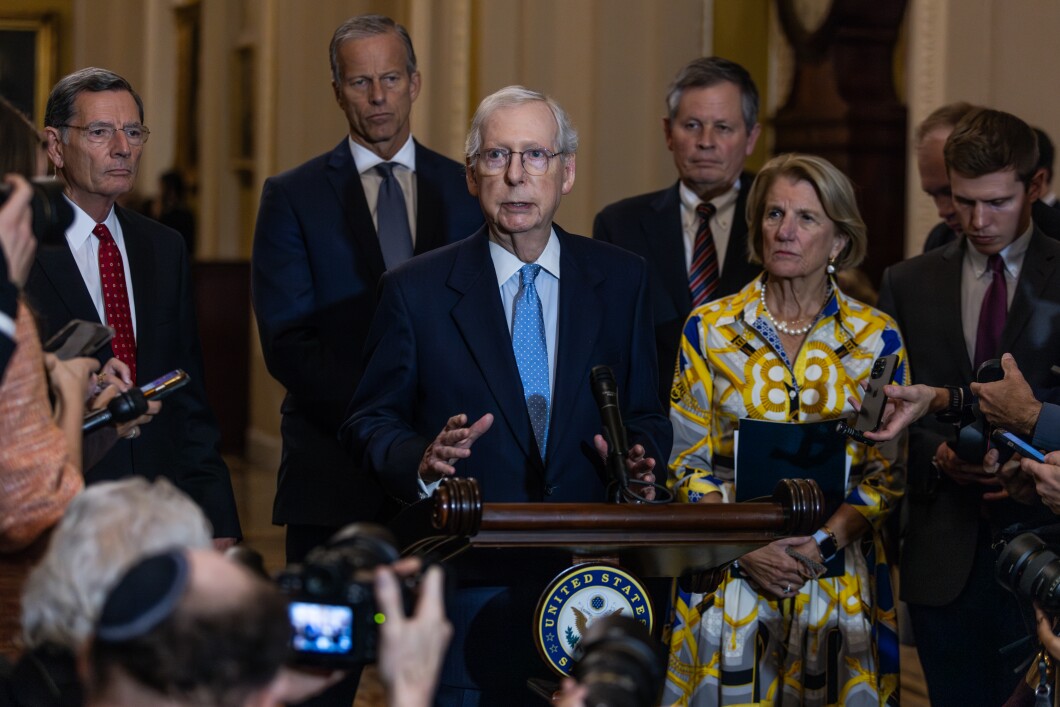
{"x": 132, "y": 273}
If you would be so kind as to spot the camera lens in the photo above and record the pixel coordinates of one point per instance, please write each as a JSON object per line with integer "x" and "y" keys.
{"x": 52, "y": 215}
{"x": 1030, "y": 570}
{"x": 619, "y": 663}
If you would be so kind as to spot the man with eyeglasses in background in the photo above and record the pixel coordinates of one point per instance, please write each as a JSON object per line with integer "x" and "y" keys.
{"x": 478, "y": 366}
{"x": 132, "y": 273}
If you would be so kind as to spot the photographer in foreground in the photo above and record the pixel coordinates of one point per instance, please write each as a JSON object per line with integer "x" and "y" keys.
{"x": 188, "y": 627}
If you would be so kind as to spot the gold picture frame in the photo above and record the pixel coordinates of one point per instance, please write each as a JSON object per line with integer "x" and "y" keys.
{"x": 28, "y": 62}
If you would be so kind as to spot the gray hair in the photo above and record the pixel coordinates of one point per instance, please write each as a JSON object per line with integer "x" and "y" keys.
{"x": 566, "y": 135}
{"x": 710, "y": 71}
{"x": 362, "y": 27}
{"x": 60, "y": 109}
{"x": 105, "y": 530}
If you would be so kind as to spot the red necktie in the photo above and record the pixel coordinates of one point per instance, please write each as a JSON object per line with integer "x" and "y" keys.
{"x": 992, "y": 315}
{"x": 116, "y": 298}
{"x": 703, "y": 276}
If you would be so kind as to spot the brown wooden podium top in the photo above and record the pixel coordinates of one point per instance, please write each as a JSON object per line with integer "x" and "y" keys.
{"x": 654, "y": 540}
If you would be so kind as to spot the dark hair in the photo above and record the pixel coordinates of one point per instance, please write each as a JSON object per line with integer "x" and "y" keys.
{"x": 1046, "y": 153}
{"x": 362, "y": 27}
{"x": 60, "y": 109}
{"x": 988, "y": 141}
{"x": 216, "y": 655}
{"x": 20, "y": 143}
{"x": 710, "y": 71}
{"x": 946, "y": 116}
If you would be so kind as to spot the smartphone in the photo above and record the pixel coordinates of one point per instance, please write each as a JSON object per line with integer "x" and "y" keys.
{"x": 1016, "y": 444}
{"x": 873, "y": 401}
{"x": 79, "y": 338}
{"x": 161, "y": 387}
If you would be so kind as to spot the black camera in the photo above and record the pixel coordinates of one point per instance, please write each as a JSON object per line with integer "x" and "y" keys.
{"x": 1028, "y": 568}
{"x": 52, "y": 214}
{"x": 619, "y": 663}
{"x": 334, "y": 618}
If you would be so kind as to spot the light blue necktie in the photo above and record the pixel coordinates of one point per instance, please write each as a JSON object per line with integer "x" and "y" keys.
{"x": 531, "y": 353}
{"x": 392, "y": 218}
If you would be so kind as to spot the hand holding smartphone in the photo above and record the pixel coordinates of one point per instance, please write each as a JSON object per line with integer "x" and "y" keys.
{"x": 1008, "y": 440}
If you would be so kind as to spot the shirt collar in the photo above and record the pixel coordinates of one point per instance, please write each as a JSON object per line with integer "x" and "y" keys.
{"x": 690, "y": 200}
{"x": 367, "y": 160}
{"x": 1012, "y": 255}
{"x": 506, "y": 264}
{"x": 81, "y": 229}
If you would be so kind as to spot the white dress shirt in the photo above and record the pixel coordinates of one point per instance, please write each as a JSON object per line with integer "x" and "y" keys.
{"x": 976, "y": 279}
{"x": 367, "y": 161}
{"x": 85, "y": 248}
{"x": 720, "y": 223}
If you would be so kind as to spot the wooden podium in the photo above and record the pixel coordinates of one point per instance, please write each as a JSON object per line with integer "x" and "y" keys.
{"x": 610, "y": 546}
{"x": 652, "y": 540}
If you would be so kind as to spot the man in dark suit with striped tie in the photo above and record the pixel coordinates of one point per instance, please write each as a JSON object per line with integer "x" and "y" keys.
{"x": 694, "y": 233}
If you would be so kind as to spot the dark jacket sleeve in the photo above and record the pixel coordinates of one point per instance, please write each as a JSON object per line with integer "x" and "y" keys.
{"x": 378, "y": 433}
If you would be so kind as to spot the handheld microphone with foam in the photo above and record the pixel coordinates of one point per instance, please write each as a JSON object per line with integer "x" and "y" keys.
{"x": 124, "y": 407}
{"x": 605, "y": 391}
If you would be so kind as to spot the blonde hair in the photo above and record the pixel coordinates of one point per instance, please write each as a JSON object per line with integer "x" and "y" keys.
{"x": 834, "y": 191}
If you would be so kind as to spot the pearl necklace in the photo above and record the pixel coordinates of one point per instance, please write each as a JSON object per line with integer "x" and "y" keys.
{"x": 784, "y": 327}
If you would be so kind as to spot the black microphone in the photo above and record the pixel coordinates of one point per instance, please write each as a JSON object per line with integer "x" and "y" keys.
{"x": 124, "y": 407}
{"x": 605, "y": 390}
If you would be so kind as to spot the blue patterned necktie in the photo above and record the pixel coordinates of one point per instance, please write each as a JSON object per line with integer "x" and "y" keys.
{"x": 531, "y": 353}
{"x": 392, "y": 219}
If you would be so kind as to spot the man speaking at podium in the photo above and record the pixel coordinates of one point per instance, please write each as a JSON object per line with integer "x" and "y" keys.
{"x": 478, "y": 366}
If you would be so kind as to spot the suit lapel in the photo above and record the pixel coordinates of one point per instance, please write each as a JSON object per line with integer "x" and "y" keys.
{"x": 344, "y": 179}
{"x": 142, "y": 273}
{"x": 579, "y": 324}
{"x": 59, "y": 267}
{"x": 948, "y": 290}
{"x": 734, "y": 273}
{"x": 1038, "y": 267}
{"x": 479, "y": 316}
{"x": 430, "y": 226}
{"x": 665, "y": 223}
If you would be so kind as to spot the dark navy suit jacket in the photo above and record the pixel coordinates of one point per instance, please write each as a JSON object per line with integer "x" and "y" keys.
{"x": 650, "y": 226}
{"x": 923, "y": 294}
{"x": 440, "y": 345}
{"x": 182, "y": 441}
{"x": 316, "y": 269}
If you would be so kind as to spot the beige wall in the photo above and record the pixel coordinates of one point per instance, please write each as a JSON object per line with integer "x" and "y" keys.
{"x": 607, "y": 61}
{"x": 1001, "y": 54}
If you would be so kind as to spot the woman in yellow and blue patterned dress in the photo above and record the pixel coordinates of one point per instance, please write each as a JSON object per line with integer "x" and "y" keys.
{"x": 789, "y": 347}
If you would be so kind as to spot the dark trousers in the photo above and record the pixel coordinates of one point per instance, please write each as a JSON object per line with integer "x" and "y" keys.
{"x": 958, "y": 643}
{"x": 300, "y": 540}
{"x": 492, "y": 653}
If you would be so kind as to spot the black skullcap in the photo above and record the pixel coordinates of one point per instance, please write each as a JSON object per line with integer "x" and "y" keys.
{"x": 144, "y": 597}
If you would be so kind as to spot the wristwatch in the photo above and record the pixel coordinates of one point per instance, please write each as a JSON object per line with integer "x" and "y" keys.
{"x": 826, "y": 543}
{"x": 955, "y": 409}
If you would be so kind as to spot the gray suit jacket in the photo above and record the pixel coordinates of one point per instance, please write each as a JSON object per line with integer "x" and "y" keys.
{"x": 923, "y": 294}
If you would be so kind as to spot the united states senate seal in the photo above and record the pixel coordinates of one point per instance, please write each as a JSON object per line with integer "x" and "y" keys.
{"x": 578, "y": 596}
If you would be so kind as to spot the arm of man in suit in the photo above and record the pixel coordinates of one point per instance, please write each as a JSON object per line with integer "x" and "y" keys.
{"x": 285, "y": 303}
{"x": 648, "y": 424}
{"x": 379, "y": 431}
{"x": 205, "y": 475}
